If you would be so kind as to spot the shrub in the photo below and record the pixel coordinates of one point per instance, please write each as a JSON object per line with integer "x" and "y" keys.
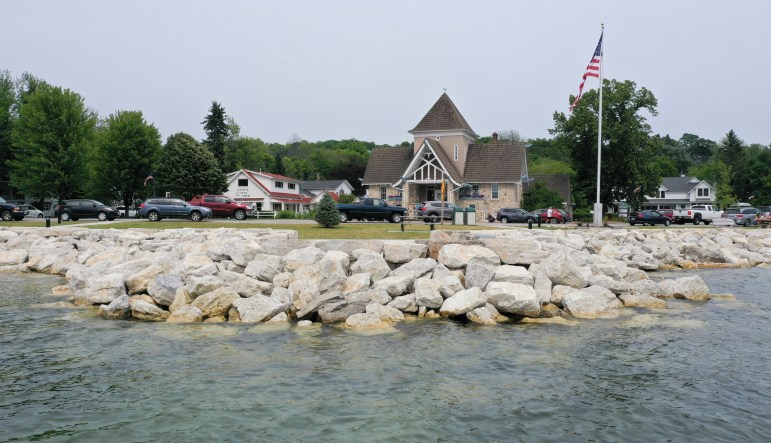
{"x": 327, "y": 214}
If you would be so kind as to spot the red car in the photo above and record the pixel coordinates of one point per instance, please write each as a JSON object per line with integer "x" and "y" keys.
{"x": 553, "y": 218}
{"x": 221, "y": 206}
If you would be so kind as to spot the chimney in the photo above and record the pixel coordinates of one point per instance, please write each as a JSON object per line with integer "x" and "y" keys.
{"x": 495, "y": 137}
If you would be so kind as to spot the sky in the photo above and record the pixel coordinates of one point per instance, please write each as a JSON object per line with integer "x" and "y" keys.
{"x": 371, "y": 69}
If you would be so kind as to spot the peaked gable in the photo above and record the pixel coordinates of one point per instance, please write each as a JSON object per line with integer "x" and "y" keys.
{"x": 443, "y": 116}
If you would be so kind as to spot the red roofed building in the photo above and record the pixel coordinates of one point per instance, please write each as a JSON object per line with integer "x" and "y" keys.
{"x": 267, "y": 192}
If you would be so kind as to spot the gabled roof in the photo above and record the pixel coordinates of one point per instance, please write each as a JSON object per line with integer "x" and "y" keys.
{"x": 443, "y": 116}
{"x": 386, "y": 165}
{"x": 445, "y": 160}
{"x": 324, "y": 185}
{"x": 286, "y": 197}
{"x": 559, "y": 183}
{"x": 276, "y": 176}
{"x": 495, "y": 163}
{"x": 680, "y": 184}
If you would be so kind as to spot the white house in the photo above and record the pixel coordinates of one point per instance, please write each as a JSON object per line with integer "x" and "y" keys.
{"x": 267, "y": 192}
{"x": 681, "y": 193}
{"x": 317, "y": 187}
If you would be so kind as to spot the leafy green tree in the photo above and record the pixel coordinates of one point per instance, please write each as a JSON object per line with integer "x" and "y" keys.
{"x": 546, "y": 165}
{"x": 756, "y": 178}
{"x": 540, "y": 196}
{"x": 628, "y": 170}
{"x": 538, "y": 148}
{"x": 51, "y": 141}
{"x": 279, "y": 167}
{"x": 699, "y": 149}
{"x": 7, "y": 99}
{"x": 718, "y": 174}
{"x": 217, "y": 130}
{"x": 248, "y": 153}
{"x": 327, "y": 214}
{"x": 187, "y": 168}
{"x": 127, "y": 151}
{"x": 346, "y": 198}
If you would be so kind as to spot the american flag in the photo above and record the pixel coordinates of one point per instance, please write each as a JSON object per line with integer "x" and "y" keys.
{"x": 592, "y": 70}
{"x": 149, "y": 177}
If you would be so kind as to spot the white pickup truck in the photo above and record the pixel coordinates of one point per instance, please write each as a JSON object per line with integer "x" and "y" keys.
{"x": 696, "y": 215}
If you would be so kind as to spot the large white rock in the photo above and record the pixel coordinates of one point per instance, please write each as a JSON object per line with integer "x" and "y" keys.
{"x": 13, "y": 257}
{"x": 198, "y": 285}
{"x": 256, "y": 309}
{"x": 371, "y": 263}
{"x": 396, "y": 285}
{"x": 416, "y": 268}
{"x": 328, "y": 274}
{"x": 101, "y": 290}
{"x": 245, "y": 285}
{"x": 642, "y": 301}
{"x": 303, "y": 291}
{"x": 137, "y": 283}
{"x": 365, "y": 321}
{"x": 463, "y": 302}
{"x": 405, "y": 303}
{"x": 385, "y": 313}
{"x": 403, "y": 252}
{"x": 216, "y": 303}
{"x": 562, "y": 269}
{"x": 480, "y": 270}
{"x": 456, "y": 256}
{"x": 513, "y": 298}
{"x": 264, "y": 267}
{"x": 163, "y": 288}
{"x": 691, "y": 288}
{"x": 144, "y": 310}
{"x": 516, "y": 251}
{"x": 428, "y": 293}
{"x": 298, "y": 258}
{"x": 117, "y": 309}
{"x": 513, "y": 274}
{"x": 481, "y": 316}
{"x": 186, "y": 314}
{"x": 591, "y": 302}
{"x": 357, "y": 282}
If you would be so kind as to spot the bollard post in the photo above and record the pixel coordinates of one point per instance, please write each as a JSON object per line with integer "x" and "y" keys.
{"x": 539, "y": 221}
{"x": 529, "y": 223}
{"x": 432, "y": 227}
{"x": 48, "y": 222}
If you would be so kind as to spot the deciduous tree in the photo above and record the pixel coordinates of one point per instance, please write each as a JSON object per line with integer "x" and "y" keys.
{"x": 186, "y": 168}
{"x": 127, "y": 150}
{"x": 51, "y": 141}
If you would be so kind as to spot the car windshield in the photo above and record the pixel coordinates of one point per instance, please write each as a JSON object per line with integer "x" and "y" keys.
{"x": 731, "y": 211}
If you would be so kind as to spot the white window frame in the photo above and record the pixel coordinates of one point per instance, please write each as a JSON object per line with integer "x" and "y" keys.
{"x": 494, "y": 191}
{"x": 290, "y": 186}
{"x": 279, "y": 185}
{"x": 662, "y": 194}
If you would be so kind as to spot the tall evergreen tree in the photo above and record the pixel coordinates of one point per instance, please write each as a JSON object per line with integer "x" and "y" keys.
{"x": 7, "y": 99}
{"x": 217, "y": 130}
{"x": 327, "y": 214}
{"x": 279, "y": 164}
{"x": 52, "y": 137}
{"x": 730, "y": 151}
{"x": 186, "y": 168}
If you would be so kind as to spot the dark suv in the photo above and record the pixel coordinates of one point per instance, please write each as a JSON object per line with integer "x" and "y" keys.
{"x": 10, "y": 211}
{"x": 75, "y": 209}
{"x": 507, "y": 215}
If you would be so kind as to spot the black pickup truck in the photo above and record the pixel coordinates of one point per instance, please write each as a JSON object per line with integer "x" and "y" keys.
{"x": 371, "y": 209}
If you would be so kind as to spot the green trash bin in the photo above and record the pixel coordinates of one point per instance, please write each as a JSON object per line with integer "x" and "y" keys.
{"x": 470, "y": 216}
{"x": 457, "y": 216}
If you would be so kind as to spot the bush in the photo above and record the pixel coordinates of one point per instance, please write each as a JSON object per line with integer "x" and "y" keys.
{"x": 327, "y": 214}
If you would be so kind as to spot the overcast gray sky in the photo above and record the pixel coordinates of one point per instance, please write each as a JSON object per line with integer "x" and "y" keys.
{"x": 370, "y": 70}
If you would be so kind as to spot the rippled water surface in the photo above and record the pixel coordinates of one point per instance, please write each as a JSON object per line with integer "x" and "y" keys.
{"x": 694, "y": 372}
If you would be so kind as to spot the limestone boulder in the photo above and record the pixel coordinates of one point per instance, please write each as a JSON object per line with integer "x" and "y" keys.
{"x": 416, "y": 268}
{"x": 328, "y": 274}
{"x": 255, "y": 309}
{"x": 405, "y": 303}
{"x": 513, "y": 298}
{"x": 163, "y": 288}
{"x": 303, "y": 292}
{"x": 399, "y": 253}
{"x": 516, "y": 251}
{"x": 615, "y": 286}
{"x": 364, "y": 321}
{"x": 144, "y": 310}
{"x": 264, "y": 267}
{"x": 396, "y": 285}
{"x": 463, "y": 302}
{"x": 481, "y": 316}
{"x": 642, "y": 301}
{"x": 13, "y": 257}
{"x": 186, "y": 314}
{"x": 138, "y": 282}
{"x": 199, "y": 264}
{"x": 513, "y": 274}
{"x": 117, "y": 309}
{"x": 312, "y": 306}
{"x": 245, "y": 285}
{"x": 428, "y": 293}
{"x": 456, "y": 256}
{"x": 349, "y": 246}
{"x": 690, "y": 288}
{"x": 558, "y": 293}
{"x": 298, "y": 258}
{"x": 373, "y": 264}
{"x": 562, "y": 269}
{"x": 385, "y": 313}
{"x": 357, "y": 282}
{"x": 284, "y": 296}
{"x": 480, "y": 270}
{"x": 216, "y": 303}
{"x": 101, "y": 290}
{"x": 198, "y": 285}
{"x": 591, "y": 302}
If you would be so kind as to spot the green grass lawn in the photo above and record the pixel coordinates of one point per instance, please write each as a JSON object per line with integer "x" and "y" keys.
{"x": 310, "y": 231}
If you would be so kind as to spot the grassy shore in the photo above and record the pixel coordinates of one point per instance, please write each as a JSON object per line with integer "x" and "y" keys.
{"x": 306, "y": 231}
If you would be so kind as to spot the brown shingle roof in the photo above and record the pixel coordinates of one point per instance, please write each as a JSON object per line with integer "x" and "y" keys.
{"x": 442, "y": 156}
{"x": 443, "y": 116}
{"x": 386, "y": 165}
{"x": 559, "y": 183}
{"x": 495, "y": 163}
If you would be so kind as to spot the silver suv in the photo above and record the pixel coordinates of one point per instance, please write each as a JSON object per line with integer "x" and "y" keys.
{"x": 742, "y": 215}
{"x": 433, "y": 210}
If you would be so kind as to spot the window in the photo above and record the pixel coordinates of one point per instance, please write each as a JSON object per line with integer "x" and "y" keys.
{"x": 279, "y": 184}
{"x": 243, "y": 182}
{"x": 290, "y": 185}
{"x": 209, "y": 199}
{"x": 342, "y": 192}
{"x": 474, "y": 189}
{"x": 383, "y": 192}
{"x": 456, "y": 152}
{"x": 662, "y": 194}
{"x": 702, "y": 192}
{"x": 494, "y": 192}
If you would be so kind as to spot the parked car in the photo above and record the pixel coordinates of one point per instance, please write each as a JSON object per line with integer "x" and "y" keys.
{"x": 75, "y": 209}
{"x": 222, "y": 206}
{"x": 742, "y": 215}
{"x": 10, "y": 211}
{"x": 515, "y": 215}
{"x": 667, "y": 213}
{"x": 31, "y": 211}
{"x": 155, "y": 209}
{"x": 765, "y": 211}
{"x": 371, "y": 209}
{"x": 566, "y": 216}
{"x": 648, "y": 217}
{"x": 697, "y": 214}
{"x": 433, "y": 210}
{"x": 556, "y": 216}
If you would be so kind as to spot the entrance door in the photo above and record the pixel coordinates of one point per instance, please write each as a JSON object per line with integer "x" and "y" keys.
{"x": 430, "y": 193}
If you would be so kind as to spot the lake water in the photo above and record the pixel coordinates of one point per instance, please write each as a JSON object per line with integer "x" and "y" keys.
{"x": 694, "y": 372}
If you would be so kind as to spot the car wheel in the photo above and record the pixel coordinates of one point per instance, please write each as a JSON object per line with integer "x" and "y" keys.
{"x": 6, "y": 216}
{"x": 706, "y": 222}
{"x": 195, "y": 216}
{"x": 696, "y": 219}
{"x": 344, "y": 217}
{"x": 110, "y": 218}
{"x": 240, "y": 214}
{"x": 396, "y": 218}
{"x": 552, "y": 221}
{"x": 666, "y": 222}
{"x": 631, "y": 223}
{"x": 65, "y": 216}
{"x": 101, "y": 216}
{"x": 747, "y": 222}
{"x": 40, "y": 216}
{"x": 504, "y": 219}
{"x": 153, "y": 216}
{"x": 432, "y": 218}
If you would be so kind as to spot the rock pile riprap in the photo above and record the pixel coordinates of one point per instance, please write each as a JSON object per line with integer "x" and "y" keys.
{"x": 264, "y": 275}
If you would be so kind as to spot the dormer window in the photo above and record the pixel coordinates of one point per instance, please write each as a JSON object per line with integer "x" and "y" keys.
{"x": 662, "y": 194}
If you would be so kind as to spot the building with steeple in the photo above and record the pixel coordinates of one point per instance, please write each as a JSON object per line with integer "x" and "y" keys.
{"x": 485, "y": 176}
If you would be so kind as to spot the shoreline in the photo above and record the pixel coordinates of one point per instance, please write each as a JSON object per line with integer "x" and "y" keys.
{"x": 267, "y": 275}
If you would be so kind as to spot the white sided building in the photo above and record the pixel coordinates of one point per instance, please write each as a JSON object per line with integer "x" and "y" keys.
{"x": 264, "y": 191}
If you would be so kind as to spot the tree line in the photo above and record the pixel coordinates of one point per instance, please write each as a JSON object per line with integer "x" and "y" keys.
{"x": 53, "y": 146}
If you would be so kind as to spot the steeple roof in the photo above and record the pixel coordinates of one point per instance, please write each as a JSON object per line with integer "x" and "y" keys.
{"x": 443, "y": 116}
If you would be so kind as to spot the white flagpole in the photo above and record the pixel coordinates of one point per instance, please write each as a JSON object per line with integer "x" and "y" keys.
{"x": 597, "y": 204}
